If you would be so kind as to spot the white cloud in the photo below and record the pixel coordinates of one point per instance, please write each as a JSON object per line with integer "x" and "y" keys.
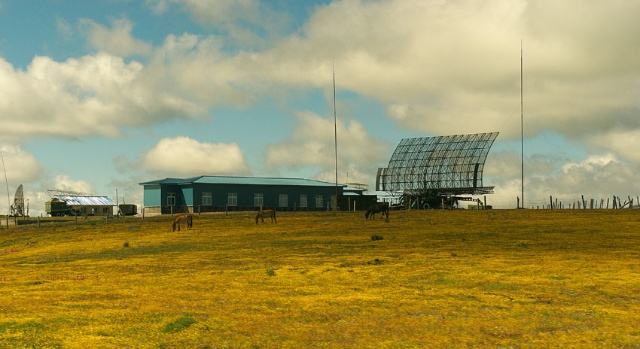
{"x": 597, "y": 176}
{"x": 245, "y": 22}
{"x": 95, "y": 94}
{"x": 451, "y": 67}
{"x": 63, "y": 28}
{"x": 21, "y": 166}
{"x": 158, "y": 7}
{"x": 312, "y": 144}
{"x": 440, "y": 67}
{"x": 184, "y": 156}
{"x": 116, "y": 40}
{"x": 64, "y": 182}
{"x": 623, "y": 142}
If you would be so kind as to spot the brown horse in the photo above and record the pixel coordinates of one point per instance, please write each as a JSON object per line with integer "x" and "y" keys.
{"x": 184, "y": 218}
{"x": 378, "y": 207}
{"x": 270, "y": 213}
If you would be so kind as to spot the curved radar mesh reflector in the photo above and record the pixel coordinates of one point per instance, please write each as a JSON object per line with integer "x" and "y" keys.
{"x": 445, "y": 164}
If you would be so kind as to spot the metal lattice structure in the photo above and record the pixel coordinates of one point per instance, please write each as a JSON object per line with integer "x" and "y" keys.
{"x": 445, "y": 165}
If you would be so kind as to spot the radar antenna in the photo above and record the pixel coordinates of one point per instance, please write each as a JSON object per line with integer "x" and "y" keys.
{"x": 17, "y": 209}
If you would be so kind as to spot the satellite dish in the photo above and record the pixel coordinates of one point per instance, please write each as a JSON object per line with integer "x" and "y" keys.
{"x": 17, "y": 209}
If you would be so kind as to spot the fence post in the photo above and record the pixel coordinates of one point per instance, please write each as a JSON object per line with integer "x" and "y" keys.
{"x": 517, "y": 202}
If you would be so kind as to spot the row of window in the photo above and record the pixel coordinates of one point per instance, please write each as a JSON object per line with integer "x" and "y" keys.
{"x": 258, "y": 200}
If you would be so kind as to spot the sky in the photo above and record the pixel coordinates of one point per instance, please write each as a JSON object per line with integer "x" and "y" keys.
{"x": 105, "y": 94}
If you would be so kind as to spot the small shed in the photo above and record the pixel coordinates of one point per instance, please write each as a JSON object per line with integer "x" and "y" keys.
{"x": 354, "y": 197}
{"x": 80, "y": 205}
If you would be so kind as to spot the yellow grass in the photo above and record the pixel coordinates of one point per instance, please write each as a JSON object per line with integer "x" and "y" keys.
{"x": 437, "y": 279}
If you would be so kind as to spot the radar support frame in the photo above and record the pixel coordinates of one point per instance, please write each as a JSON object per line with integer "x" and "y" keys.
{"x": 437, "y": 170}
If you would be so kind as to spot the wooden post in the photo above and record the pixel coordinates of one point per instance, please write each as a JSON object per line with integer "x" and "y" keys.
{"x": 550, "y": 202}
{"x": 630, "y": 201}
{"x": 485, "y": 202}
{"x": 517, "y": 202}
{"x": 142, "y": 213}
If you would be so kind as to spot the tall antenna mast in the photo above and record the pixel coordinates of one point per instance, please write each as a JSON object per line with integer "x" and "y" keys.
{"x": 7, "y": 183}
{"x": 521, "y": 127}
{"x": 335, "y": 131}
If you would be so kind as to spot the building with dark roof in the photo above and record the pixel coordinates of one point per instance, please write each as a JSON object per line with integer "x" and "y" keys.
{"x": 222, "y": 193}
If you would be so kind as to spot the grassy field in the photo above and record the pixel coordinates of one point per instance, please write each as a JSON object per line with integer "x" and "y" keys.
{"x": 435, "y": 279}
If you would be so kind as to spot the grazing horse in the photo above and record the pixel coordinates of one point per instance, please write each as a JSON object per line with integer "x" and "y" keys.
{"x": 184, "y": 218}
{"x": 378, "y": 207}
{"x": 270, "y": 213}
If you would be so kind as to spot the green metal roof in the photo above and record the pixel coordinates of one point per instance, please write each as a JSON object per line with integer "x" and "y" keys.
{"x": 244, "y": 181}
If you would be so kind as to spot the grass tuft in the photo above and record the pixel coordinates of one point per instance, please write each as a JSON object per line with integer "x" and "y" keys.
{"x": 180, "y": 324}
{"x": 271, "y": 271}
{"x": 376, "y": 261}
{"x": 376, "y": 237}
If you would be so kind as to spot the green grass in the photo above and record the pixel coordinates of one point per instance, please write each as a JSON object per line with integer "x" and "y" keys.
{"x": 180, "y": 324}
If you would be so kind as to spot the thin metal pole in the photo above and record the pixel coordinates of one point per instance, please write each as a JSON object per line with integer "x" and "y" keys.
{"x": 521, "y": 126}
{"x": 335, "y": 132}
{"x": 7, "y": 183}
{"x": 117, "y": 205}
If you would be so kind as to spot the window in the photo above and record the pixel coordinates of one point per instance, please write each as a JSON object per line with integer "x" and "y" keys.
{"x": 258, "y": 199}
{"x": 283, "y": 200}
{"x": 171, "y": 199}
{"x": 319, "y": 201}
{"x": 303, "y": 200}
{"x": 232, "y": 199}
{"x": 207, "y": 199}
